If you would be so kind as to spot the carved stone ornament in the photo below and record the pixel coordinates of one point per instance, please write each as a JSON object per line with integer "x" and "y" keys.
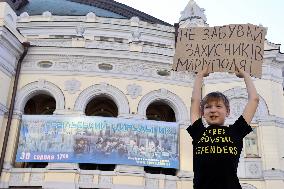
{"x": 170, "y": 184}
{"x": 105, "y": 180}
{"x": 134, "y": 90}
{"x": 247, "y": 186}
{"x": 86, "y": 178}
{"x": 72, "y": 86}
{"x": 16, "y": 178}
{"x": 135, "y": 36}
{"x": 36, "y": 177}
{"x": 24, "y": 16}
{"x": 3, "y": 109}
{"x": 192, "y": 10}
{"x": 46, "y": 14}
{"x": 80, "y": 30}
{"x": 90, "y": 17}
{"x": 152, "y": 183}
{"x": 253, "y": 169}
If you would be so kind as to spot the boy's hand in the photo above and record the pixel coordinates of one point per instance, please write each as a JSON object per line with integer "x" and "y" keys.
{"x": 204, "y": 72}
{"x": 240, "y": 73}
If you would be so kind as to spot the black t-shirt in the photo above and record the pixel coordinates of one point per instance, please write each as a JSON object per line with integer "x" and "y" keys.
{"x": 216, "y": 153}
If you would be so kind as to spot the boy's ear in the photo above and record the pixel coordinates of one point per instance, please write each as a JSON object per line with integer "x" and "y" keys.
{"x": 228, "y": 113}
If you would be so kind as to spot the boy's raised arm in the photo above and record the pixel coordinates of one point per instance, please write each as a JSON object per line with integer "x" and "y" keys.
{"x": 195, "y": 113}
{"x": 253, "y": 98}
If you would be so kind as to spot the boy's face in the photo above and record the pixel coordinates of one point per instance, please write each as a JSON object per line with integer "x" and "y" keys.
{"x": 215, "y": 112}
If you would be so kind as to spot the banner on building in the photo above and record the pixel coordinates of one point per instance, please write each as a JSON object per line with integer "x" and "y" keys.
{"x": 98, "y": 140}
{"x": 220, "y": 48}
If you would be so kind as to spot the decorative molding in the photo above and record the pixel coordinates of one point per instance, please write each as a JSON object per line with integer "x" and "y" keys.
{"x": 86, "y": 179}
{"x": 62, "y": 166}
{"x": 271, "y": 121}
{"x": 135, "y": 36}
{"x": 192, "y": 16}
{"x": 10, "y": 50}
{"x": 152, "y": 183}
{"x": 253, "y": 170}
{"x": 3, "y": 109}
{"x": 107, "y": 45}
{"x": 250, "y": 168}
{"x": 72, "y": 86}
{"x": 51, "y": 42}
{"x": 134, "y": 90}
{"x": 61, "y": 185}
{"x": 185, "y": 175}
{"x": 5, "y": 67}
{"x": 91, "y": 17}
{"x": 129, "y": 170}
{"x": 39, "y": 87}
{"x": 99, "y": 21}
{"x": 37, "y": 178}
{"x": 273, "y": 174}
{"x": 106, "y": 90}
{"x": 9, "y": 40}
{"x": 184, "y": 124}
{"x": 238, "y": 99}
{"x": 158, "y": 50}
{"x": 105, "y": 180}
{"x": 247, "y": 186}
{"x": 173, "y": 100}
{"x": 170, "y": 184}
{"x": 16, "y": 179}
{"x": 270, "y": 46}
{"x": 195, "y": 22}
{"x": 7, "y": 166}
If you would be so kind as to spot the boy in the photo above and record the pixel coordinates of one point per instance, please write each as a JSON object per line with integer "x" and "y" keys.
{"x": 217, "y": 148}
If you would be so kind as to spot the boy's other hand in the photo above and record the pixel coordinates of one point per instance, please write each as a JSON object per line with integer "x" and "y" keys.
{"x": 204, "y": 72}
{"x": 240, "y": 73}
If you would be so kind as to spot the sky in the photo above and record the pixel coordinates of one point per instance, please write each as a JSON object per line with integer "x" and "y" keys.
{"x": 268, "y": 13}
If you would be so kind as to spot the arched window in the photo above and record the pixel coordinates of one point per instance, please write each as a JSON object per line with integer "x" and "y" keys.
{"x": 160, "y": 111}
{"x": 41, "y": 104}
{"x": 101, "y": 106}
{"x": 105, "y": 107}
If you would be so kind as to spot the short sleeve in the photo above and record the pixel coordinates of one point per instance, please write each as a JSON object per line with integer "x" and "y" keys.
{"x": 196, "y": 129}
{"x": 240, "y": 128}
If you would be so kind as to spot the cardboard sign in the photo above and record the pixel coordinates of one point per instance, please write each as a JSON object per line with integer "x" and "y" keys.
{"x": 220, "y": 48}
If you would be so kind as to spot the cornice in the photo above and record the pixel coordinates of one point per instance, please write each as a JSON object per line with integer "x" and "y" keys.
{"x": 273, "y": 174}
{"x": 122, "y": 9}
{"x": 271, "y": 120}
{"x": 40, "y": 21}
{"x": 8, "y": 40}
{"x": 101, "y": 53}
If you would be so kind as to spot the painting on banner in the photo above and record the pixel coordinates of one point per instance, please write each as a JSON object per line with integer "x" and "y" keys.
{"x": 101, "y": 140}
{"x": 220, "y": 48}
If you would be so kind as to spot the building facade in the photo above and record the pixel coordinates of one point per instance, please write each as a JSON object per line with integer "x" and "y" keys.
{"x": 102, "y": 58}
